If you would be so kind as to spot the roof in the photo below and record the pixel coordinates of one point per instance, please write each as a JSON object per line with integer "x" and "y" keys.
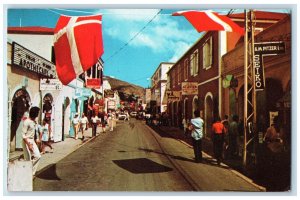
{"x": 31, "y": 30}
{"x": 261, "y": 15}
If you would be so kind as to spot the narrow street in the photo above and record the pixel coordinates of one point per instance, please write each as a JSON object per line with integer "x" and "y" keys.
{"x": 135, "y": 158}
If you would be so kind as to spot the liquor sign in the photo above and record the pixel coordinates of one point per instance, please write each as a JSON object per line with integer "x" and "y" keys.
{"x": 93, "y": 83}
{"x": 260, "y": 50}
{"x": 50, "y": 84}
{"x": 189, "y": 88}
{"x": 26, "y": 59}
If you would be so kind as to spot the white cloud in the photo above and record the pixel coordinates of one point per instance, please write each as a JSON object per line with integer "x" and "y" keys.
{"x": 163, "y": 35}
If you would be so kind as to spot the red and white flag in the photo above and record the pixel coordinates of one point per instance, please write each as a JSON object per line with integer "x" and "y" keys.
{"x": 210, "y": 21}
{"x": 77, "y": 44}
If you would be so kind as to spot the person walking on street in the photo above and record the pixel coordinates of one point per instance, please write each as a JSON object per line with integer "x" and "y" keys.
{"x": 233, "y": 133}
{"x": 76, "y": 124}
{"x": 110, "y": 120}
{"x": 196, "y": 127}
{"x": 30, "y": 149}
{"x": 218, "y": 139}
{"x": 225, "y": 122}
{"x": 83, "y": 125}
{"x": 95, "y": 122}
{"x": 45, "y": 137}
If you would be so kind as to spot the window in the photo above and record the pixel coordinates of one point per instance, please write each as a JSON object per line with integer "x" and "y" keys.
{"x": 207, "y": 54}
{"x": 194, "y": 63}
{"x": 185, "y": 69}
{"x": 178, "y": 74}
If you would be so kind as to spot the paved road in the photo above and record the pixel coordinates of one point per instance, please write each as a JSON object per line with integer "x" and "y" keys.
{"x": 135, "y": 158}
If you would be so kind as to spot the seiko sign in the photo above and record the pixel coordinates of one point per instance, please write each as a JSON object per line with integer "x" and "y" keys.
{"x": 26, "y": 59}
{"x": 260, "y": 50}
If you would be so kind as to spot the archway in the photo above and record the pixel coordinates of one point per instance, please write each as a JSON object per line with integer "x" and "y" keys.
{"x": 47, "y": 106}
{"x": 208, "y": 114}
{"x": 20, "y": 107}
{"x": 195, "y": 105}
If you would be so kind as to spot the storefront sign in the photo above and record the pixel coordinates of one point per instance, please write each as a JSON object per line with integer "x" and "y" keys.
{"x": 93, "y": 83}
{"x": 82, "y": 92}
{"x": 111, "y": 104}
{"x": 109, "y": 93}
{"x": 189, "y": 88}
{"x": 260, "y": 50}
{"x": 259, "y": 78}
{"x": 26, "y": 59}
{"x": 50, "y": 84}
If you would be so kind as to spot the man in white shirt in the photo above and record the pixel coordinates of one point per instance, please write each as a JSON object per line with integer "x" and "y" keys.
{"x": 83, "y": 124}
{"x": 30, "y": 149}
{"x": 76, "y": 124}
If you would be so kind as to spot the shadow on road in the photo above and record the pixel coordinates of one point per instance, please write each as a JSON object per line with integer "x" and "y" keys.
{"x": 49, "y": 173}
{"x": 206, "y": 161}
{"x": 141, "y": 166}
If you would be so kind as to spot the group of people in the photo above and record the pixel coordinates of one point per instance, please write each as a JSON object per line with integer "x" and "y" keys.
{"x": 35, "y": 137}
{"x": 81, "y": 124}
{"x": 223, "y": 132}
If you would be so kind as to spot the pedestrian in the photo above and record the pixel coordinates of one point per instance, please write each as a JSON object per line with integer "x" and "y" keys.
{"x": 30, "y": 149}
{"x": 84, "y": 122}
{"x": 76, "y": 124}
{"x": 225, "y": 122}
{"x": 103, "y": 119}
{"x": 233, "y": 133}
{"x": 95, "y": 122}
{"x": 196, "y": 127}
{"x": 45, "y": 137}
{"x": 185, "y": 125}
{"x": 218, "y": 131}
{"x": 110, "y": 119}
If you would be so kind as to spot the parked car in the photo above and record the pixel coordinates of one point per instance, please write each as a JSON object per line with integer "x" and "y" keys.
{"x": 121, "y": 116}
{"x": 133, "y": 114}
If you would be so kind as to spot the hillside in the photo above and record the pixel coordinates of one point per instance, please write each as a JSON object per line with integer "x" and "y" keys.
{"x": 125, "y": 89}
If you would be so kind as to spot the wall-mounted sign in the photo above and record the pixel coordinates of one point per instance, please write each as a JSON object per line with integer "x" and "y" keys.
{"x": 93, "y": 83}
{"x": 26, "y": 59}
{"x": 50, "y": 84}
{"x": 111, "y": 104}
{"x": 189, "y": 88}
{"x": 109, "y": 93}
{"x": 260, "y": 50}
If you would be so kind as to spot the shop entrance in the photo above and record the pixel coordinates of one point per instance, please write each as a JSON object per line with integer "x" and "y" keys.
{"x": 20, "y": 107}
{"x": 208, "y": 115}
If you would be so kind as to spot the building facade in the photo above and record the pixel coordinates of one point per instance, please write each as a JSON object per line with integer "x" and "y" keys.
{"x": 196, "y": 78}
{"x": 158, "y": 86}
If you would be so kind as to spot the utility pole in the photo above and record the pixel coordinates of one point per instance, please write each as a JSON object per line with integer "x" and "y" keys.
{"x": 249, "y": 91}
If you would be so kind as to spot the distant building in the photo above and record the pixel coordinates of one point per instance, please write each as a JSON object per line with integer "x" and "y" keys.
{"x": 158, "y": 86}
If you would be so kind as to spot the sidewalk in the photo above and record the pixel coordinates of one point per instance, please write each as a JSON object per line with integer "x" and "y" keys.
{"x": 60, "y": 149}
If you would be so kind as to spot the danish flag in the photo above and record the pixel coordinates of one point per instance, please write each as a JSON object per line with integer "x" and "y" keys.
{"x": 77, "y": 44}
{"x": 210, "y": 21}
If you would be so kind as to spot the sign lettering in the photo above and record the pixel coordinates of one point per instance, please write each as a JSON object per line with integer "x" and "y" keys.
{"x": 260, "y": 50}
{"x": 26, "y": 59}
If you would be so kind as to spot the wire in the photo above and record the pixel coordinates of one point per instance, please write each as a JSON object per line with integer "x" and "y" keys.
{"x": 127, "y": 43}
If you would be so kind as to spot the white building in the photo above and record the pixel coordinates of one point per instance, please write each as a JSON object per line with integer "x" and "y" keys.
{"x": 158, "y": 86}
{"x": 58, "y": 103}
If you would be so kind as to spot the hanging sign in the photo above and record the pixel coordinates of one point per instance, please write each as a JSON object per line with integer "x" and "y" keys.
{"x": 28, "y": 60}
{"x": 93, "y": 83}
{"x": 189, "y": 88}
{"x": 50, "y": 84}
{"x": 82, "y": 92}
{"x": 260, "y": 50}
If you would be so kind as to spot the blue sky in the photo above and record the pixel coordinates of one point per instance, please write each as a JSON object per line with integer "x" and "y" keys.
{"x": 164, "y": 39}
